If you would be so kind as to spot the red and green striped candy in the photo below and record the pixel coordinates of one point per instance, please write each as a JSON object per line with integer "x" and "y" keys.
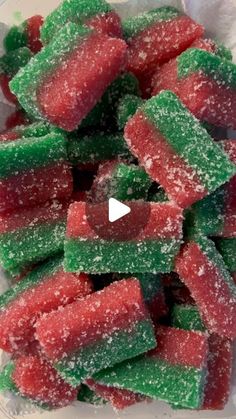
{"x": 176, "y": 151}
{"x": 204, "y": 272}
{"x": 173, "y": 372}
{"x": 25, "y": 35}
{"x": 67, "y": 78}
{"x": 98, "y": 331}
{"x": 43, "y": 290}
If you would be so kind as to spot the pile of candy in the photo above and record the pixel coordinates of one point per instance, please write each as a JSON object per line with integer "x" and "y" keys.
{"x": 137, "y": 111}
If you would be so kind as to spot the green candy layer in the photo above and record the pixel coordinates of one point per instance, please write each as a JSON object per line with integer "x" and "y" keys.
{"x": 187, "y": 317}
{"x": 37, "y": 129}
{"x": 31, "y": 244}
{"x": 109, "y": 351}
{"x": 134, "y": 25}
{"x": 29, "y": 153}
{"x": 227, "y": 248}
{"x": 26, "y": 82}
{"x": 157, "y": 379}
{"x": 127, "y": 107}
{"x": 189, "y": 139}
{"x": 86, "y": 395}
{"x": 32, "y": 279}
{"x": 211, "y": 65}
{"x": 15, "y": 38}
{"x": 100, "y": 256}
{"x": 11, "y": 62}
{"x": 96, "y": 148}
{"x": 71, "y": 10}
{"x": 104, "y": 111}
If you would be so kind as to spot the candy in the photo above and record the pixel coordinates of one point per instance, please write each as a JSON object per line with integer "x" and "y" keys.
{"x": 25, "y": 35}
{"x": 166, "y": 76}
{"x": 176, "y": 151}
{"x": 97, "y": 332}
{"x": 121, "y": 181}
{"x": 206, "y": 85}
{"x": 33, "y": 234}
{"x": 44, "y": 289}
{"x": 156, "y": 36}
{"x": 119, "y": 398}
{"x": 97, "y": 14}
{"x": 219, "y": 364}
{"x": 153, "y": 250}
{"x": 86, "y": 395}
{"x": 35, "y": 379}
{"x": 10, "y": 64}
{"x": 127, "y": 107}
{"x": 173, "y": 372}
{"x": 104, "y": 111}
{"x": 96, "y": 148}
{"x": 227, "y": 248}
{"x": 26, "y": 166}
{"x": 203, "y": 271}
{"x": 78, "y": 65}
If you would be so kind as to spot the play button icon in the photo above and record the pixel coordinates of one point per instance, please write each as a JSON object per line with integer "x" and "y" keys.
{"x": 117, "y": 210}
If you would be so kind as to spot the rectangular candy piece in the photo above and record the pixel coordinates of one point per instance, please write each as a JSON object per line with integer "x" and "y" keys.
{"x": 207, "y": 86}
{"x": 220, "y": 359}
{"x": 119, "y": 398}
{"x": 156, "y": 36}
{"x": 105, "y": 110}
{"x": 152, "y": 250}
{"x": 176, "y": 151}
{"x": 25, "y": 35}
{"x": 35, "y": 379}
{"x": 166, "y": 76}
{"x": 96, "y": 148}
{"x": 78, "y": 65}
{"x": 43, "y": 290}
{"x": 173, "y": 372}
{"x": 26, "y": 166}
{"x": 31, "y": 235}
{"x": 203, "y": 271}
{"x": 98, "y": 331}
{"x": 97, "y": 14}
{"x": 10, "y": 64}
{"x": 121, "y": 181}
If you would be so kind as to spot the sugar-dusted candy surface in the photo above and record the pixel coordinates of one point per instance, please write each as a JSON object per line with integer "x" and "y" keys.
{"x": 157, "y": 36}
{"x": 96, "y": 332}
{"x": 26, "y": 166}
{"x": 96, "y": 148}
{"x": 153, "y": 250}
{"x": 176, "y": 151}
{"x": 119, "y": 398}
{"x": 203, "y": 271}
{"x": 121, "y": 181}
{"x": 97, "y": 14}
{"x": 220, "y": 358}
{"x": 33, "y": 234}
{"x": 227, "y": 248}
{"x": 86, "y": 395}
{"x": 208, "y": 86}
{"x": 44, "y": 289}
{"x": 35, "y": 379}
{"x": 172, "y": 372}
{"x": 74, "y": 48}
{"x": 127, "y": 107}
{"x": 25, "y": 35}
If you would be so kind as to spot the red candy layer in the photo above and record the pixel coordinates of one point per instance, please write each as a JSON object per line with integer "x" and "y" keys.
{"x": 162, "y": 163}
{"x": 84, "y": 322}
{"x": 106, "y": 23}
{"x": 181, "y": 347}
{"x": 33, "y": 26}
{"x": 70, "y": 93}
{"x": 4, "y": 85}
{"x": 38, "y": 380}
{"x": 215, "y": 301}
{"x": 33, "y": 187}
{"x": 17, "y": 320}
{"x": 160, "y": 42}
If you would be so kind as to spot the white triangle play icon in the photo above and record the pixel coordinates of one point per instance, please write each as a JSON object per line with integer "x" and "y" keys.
{"x": 117, "y": 210}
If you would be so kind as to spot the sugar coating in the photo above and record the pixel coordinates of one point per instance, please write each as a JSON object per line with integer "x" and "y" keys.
{"x": 187, "y": 317}
{"x": 11, "y": 62}
{"x": 72, "y": 10}
{"x": 127, "y": 107}
{"x": 227, "y": 248}
{"x": 86, "y": 395}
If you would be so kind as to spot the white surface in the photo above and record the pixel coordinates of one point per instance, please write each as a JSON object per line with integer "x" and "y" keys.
{"x": 117, "y": 210}
{"x": 219, "y": 18}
